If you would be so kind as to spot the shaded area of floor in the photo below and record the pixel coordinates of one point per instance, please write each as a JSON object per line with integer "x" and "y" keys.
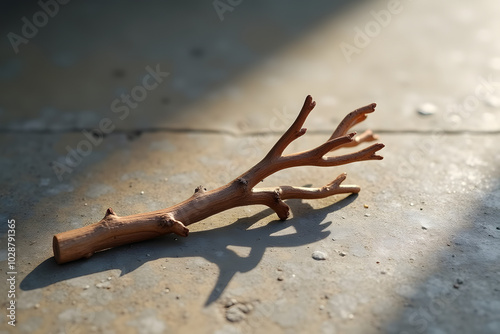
{"x": 416, "y": 251}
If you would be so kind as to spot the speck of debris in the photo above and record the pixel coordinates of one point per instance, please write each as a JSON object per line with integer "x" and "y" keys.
{"x": 412, "y": 204}
{"x": 37, "y": 306}
{"x": 366, "y": 206}
{"x": 322, "y": 307}
{"x": 424, "y": 228}
{"x": 459, "y": 281}
{"x": 456, "y": 286}
{"x": 498, "y": 227}
{"x": 86, "y": 287}
{"x": 142, "y": 192}
{"x": 85, "y": 204}
{"x": 383, "y": 272}
{"x": 319, "y": 255}
{"x": 427, "y": 109}
{"x": 367, "y": 215}
{"x": 110, "y": 278}
{"x": 280, "y": 278}
{"x": 343, "y": 217}
{"x": 342, "y": 254}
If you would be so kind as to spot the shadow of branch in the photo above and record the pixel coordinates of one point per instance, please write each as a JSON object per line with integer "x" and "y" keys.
{"x": 211, "y": 245}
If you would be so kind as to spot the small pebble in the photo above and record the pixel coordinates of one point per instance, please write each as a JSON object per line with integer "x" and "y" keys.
{"x": 367, "y": 215}
{"x": 237, "y": 312}
{"x": 427, "y": 109}
{"x": 86, "y": 287}
{"x": 142, "y": 192}
{"x": 110, "y": 278}
{"x": 342, "y": 254}
{"x": 319, "y": 255}
{"x": 85, "y": 204}
{"x": 230, "y": 302}
{"x": 105, "y": 285}
{"x": 167, "y": 290}
{"x": 366, "y": 206}
{"x": 459, "y": 281}
{"x": 280, "y": 278}
{"x": 37, "y": 306}
{"x": 424, "y": 228}
{"x": 322, "y": 307}
{"x": 498, "y": 228}
{"x": 343, "y": 217}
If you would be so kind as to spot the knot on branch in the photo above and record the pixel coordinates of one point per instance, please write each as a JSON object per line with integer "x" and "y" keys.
{"x": 109, "y": 212}
{"x": 109, "y": 216}
{"x": 280, "y": 207}
{"x": 166, "y": 221}
{"x": 200, "y": 190}
{"x": 242, "y": 182}
{"x": 277, "y": 194}
{"x": 169, "y": 223}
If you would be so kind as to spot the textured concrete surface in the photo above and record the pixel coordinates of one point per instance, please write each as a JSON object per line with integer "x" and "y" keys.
{"x": 417, "y": 251}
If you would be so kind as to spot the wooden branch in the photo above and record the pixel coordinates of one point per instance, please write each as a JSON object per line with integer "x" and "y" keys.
{"x": 113, "y": 230}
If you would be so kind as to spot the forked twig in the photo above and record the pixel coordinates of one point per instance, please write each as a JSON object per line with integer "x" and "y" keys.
{"x": 113, "y": 230}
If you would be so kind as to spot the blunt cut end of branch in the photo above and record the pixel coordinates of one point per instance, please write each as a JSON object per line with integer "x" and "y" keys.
{"x": 113, "y": 230}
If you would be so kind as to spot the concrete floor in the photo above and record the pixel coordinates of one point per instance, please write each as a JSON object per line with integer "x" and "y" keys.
{"x": 416, "y": 251}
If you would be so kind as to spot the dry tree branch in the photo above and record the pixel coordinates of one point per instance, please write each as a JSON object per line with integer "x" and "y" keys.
{"x": 113, "y": 230}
